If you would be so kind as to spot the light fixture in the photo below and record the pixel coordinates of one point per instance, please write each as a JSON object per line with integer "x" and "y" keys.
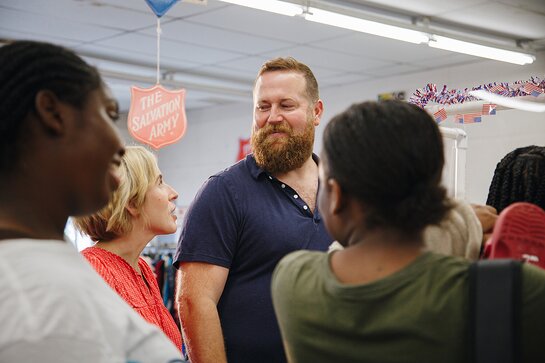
{"x": 273, "y": 6}
{"x": 365, "y": 26}
{"x": 480, "y": 50}
{"x": 386, "y": 30}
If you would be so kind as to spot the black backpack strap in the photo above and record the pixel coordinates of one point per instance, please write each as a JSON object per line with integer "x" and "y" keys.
{"x": 495, "y": 294}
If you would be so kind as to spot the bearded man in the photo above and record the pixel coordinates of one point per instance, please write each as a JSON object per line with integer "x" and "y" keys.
{"x": 246, "y": 218}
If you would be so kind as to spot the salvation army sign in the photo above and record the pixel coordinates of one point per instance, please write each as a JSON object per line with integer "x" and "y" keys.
{"x": 157, "y": 115}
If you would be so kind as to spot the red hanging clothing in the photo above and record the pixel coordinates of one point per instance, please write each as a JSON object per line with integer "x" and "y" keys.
{"x": 124, "y": 279}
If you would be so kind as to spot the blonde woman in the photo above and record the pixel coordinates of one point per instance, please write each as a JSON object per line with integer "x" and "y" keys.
{"x": 141, "y": 208}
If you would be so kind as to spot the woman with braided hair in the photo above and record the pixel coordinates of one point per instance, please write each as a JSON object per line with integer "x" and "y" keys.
{"x": 59, "y": 154}
{"x": 519, "y": 177}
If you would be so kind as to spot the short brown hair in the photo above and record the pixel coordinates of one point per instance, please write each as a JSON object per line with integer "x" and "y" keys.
{"x": 291, "y": 64}
{"x": 138, "y": 172}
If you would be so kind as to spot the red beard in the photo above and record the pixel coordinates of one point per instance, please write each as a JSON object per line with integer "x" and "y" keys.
{"x": 285, "y": 153}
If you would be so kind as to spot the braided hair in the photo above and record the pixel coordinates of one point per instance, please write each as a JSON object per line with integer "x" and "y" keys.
{"x": 27, "y": 67}
{"x": 519, "y": 177}
{"x": 389, "y": 155}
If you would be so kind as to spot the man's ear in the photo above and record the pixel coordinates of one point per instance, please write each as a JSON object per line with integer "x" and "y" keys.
{"x": 51, "y": 112}
{"x": 318, "y": 111}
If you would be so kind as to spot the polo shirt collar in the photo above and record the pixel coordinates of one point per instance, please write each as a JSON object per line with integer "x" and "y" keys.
{"x": 256, "y": 171}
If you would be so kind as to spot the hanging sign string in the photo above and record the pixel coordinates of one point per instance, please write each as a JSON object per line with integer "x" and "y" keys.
{"x": 158, "y": 49}
{"x": 157, "y": 115}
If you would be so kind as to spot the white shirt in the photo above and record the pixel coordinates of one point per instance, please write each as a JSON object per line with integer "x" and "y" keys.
{"x": 54, "y": 308}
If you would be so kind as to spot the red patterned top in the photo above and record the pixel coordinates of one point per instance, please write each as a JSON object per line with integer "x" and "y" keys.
{"x": 124, "y": 279}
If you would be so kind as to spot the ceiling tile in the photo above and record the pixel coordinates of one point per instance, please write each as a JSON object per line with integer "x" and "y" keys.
{"x": 52, "y": 26}
{"x": 393, "y": 70}
{"x": 449, "y": 59}
{"x": 23, "y": 35}
{"x": 319, "y": 57}
{"x": 268, "y": 25}
{"x": 250, "y": 64}
{"x": 341, "y": 79}
{"x": 145, "y": 44}
{"x": 128, "y": 54}
{"x": 379, "y": 48}
{"x": 85, "y": 12}
{"x": 501, "y": 17}
{"x": 536, "y": 6}
{"x": 425, "y": 7}
{"x": 243, "y": 76}
{"x": 214, "y": 37}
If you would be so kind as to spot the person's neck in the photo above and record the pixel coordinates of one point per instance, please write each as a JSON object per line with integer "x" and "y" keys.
{"x": 26, "y": 211}
{"x": 375, "y": 255}
{"x": 21, "y": 222}
{"x": 129, "y": 246}
{"x": 309, "y": 169}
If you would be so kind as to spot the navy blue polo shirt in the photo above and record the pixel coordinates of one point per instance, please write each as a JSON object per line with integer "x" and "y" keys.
{"x": 246, "y": 220}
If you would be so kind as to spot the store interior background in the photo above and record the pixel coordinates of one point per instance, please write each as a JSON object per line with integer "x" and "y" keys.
{"x": 215, "y": 50}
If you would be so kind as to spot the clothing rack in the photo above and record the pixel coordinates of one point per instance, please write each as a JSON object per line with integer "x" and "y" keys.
{"x": 454, "y": 173}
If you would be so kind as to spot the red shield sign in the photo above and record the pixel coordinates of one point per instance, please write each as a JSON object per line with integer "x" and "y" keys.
{"x": 157, "y": 115}
{"x": 244, "y": 148}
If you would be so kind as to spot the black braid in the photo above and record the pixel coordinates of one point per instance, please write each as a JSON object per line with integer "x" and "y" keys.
{"x": 26, "y": 67}
{"x": 519, "y": 177}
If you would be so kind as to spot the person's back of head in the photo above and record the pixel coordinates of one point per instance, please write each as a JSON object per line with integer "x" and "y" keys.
{"x": 389, "y": 155}
{"x": 519, "y": 177}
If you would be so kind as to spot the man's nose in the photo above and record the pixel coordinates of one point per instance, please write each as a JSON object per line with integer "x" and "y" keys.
{"x": 275, "y": 115}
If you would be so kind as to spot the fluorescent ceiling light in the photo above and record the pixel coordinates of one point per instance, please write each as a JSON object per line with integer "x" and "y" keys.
{"x": 385, "y": 30}
{"x": 365, "y": 26}
{"x": 480, "y": 50}
{"x": 508, "y": 101}
{"x": 274, "y": 6}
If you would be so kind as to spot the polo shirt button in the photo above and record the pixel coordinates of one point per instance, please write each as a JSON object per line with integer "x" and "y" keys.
{"x": 283, "y": 186}
{"x": 295, "y": 196}
{"x": 270, "y": 177}
{"x": 305, "y": 207}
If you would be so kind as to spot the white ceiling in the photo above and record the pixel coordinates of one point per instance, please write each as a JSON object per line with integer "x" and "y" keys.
{"x": 215, "y": 50}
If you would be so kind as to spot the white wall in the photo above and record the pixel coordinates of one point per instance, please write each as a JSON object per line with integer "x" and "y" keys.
{"x": 488, "y": 141}
{"x": 211, "y": 140}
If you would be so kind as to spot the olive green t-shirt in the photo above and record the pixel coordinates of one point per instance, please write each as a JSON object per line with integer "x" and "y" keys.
{"x": 418, "y": 314}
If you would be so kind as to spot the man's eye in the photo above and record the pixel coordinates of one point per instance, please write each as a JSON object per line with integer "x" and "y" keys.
{"x": 263, "y": 107}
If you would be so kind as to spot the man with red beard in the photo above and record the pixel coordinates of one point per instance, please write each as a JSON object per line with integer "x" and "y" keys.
{"x": 246, "y": 218}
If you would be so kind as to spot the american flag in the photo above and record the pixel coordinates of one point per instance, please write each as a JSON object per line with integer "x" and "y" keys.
{"x": 470, "y": 118}
{"x": 489, "y": 109}
{"x": 440, "y": 115}
{"x": 498, "y": 89}
{"x": 532, "y": 89}
{"x": 459, "y": 119}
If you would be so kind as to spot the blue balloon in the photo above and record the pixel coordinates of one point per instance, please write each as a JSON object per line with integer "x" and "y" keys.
{"x": 160, "y": 7}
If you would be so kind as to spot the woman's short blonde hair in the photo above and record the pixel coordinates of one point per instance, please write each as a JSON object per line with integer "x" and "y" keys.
{"x": 138, "y": 172}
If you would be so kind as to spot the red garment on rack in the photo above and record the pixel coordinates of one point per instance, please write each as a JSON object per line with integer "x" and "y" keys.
{"x": 124, "y": 279}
